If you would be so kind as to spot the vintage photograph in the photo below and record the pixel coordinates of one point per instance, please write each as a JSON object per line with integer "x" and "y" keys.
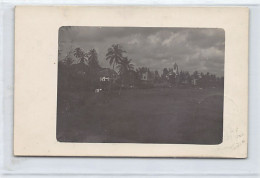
{"x": 140, "y": 85}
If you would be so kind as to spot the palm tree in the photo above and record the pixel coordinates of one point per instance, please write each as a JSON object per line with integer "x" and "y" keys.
{"x": 115, "y": 54}
{"x": 93, "y": 59}
{"x": 68, "y": 58}
{"x": 81, "y": 55}
{"x": 125, "y": 66}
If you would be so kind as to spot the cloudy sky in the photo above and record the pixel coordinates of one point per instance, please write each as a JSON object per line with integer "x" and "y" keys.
{"x": 200, "y": 49}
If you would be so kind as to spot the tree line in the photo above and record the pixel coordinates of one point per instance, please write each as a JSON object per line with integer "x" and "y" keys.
{"x": 84, "y": 73}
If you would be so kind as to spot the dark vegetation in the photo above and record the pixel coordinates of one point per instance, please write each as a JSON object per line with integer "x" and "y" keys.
{"x": 84, "y": 74}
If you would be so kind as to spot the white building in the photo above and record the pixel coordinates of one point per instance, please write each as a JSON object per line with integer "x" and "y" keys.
{"x": 104, "y": 79}
{"x": 144, "y": 76}
{"x": 107, "y": 75}
{"x": 175, "y": 69}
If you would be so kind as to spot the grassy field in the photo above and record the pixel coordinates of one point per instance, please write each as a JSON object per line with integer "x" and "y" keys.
{"x": 158, "y": 115}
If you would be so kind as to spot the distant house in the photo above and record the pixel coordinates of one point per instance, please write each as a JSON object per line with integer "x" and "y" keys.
{"x": 146, "y": 79}
{"x": 173, "y": 72}
{"x": 147, "y": 76}
{"x": 104, "y": 79}
{"x": 194, "y": 81}
{"x": 144, "y": 76}
{"x": 175, "y": 68}
{"x": 107, "y": 75}
{"x": 80, "y": 69}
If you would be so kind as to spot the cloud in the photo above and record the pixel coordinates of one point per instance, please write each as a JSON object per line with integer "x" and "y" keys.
{"x": 192, "y": 49}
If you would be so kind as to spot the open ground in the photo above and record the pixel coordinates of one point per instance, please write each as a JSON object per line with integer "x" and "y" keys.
{"x": 156, "y": 115}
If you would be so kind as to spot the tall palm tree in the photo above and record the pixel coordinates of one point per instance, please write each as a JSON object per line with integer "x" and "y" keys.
{"x": 68, "y": 60}
{"x": 93, "y": 59}
{"x": 81, "y": 55}
{"x": 115, "y": 54}
{"x": 125, "y": 66}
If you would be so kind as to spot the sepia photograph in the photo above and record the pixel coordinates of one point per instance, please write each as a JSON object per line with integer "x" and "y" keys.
{"x": 161, "y": 85}
{"x": 131, "y": 81}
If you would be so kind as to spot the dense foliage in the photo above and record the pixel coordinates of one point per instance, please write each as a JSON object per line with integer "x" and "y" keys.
{"x": 84, "y": 73}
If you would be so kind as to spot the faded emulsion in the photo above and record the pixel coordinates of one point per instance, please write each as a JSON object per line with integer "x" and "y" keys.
{"x": 140, "y": 85}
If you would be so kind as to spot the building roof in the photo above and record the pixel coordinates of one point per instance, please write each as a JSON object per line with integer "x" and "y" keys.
{"x": 79, "y": 67}
{"x": 106, "y": 72}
